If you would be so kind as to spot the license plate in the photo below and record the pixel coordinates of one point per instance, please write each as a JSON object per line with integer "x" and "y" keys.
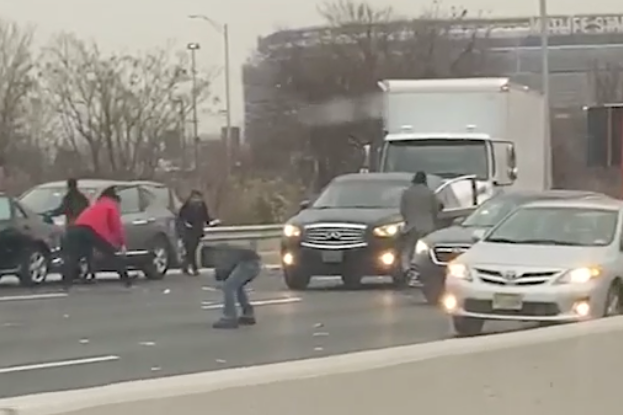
{"x": 507, "y": 302}
{"x": 332, "y": 257}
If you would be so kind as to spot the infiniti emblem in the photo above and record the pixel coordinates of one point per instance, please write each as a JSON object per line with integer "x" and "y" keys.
{"x": 334, "y": 235}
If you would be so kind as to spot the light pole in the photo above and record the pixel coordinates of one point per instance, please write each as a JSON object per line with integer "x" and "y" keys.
{"x": 223, "y": 29}
{"x": 193, "y": 47}
{"x": 544, "y": 28}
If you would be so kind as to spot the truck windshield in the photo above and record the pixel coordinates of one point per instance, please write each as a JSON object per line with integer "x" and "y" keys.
{"x": 442, "y": 157}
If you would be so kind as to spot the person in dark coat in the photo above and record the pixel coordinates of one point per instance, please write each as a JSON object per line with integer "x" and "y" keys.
{"x": 192, "y": 218}
{"x": 236, "y": 267}
{"x": 73, "y": 204}
{"x": 419, "y": 207}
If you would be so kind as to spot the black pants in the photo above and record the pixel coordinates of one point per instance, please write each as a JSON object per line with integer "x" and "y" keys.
{"x": 191, "y": 242}
{"x": 79, "y": 243}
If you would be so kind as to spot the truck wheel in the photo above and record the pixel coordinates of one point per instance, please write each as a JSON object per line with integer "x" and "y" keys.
{"x": 296, "y": 280}
{"x": 467, "y": 326}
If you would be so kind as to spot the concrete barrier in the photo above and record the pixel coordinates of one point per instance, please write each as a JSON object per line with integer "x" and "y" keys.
{"x": 572, "y": 369}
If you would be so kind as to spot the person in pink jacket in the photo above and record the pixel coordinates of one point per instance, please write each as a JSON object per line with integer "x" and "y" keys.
{"x": 98, "y": 228}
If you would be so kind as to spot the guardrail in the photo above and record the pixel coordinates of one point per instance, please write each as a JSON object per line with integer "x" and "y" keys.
{"x": 252, "y": 233}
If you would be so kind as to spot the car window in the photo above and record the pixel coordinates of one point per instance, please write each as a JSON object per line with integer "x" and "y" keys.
{"x": 45, "y": 199}
{"x": 5, "y": 208}
{"x": 161, "y": 195}
{"x": 130, "y": 200}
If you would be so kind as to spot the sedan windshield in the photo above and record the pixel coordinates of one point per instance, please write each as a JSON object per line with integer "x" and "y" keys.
{"x": 490, "y": 213}
{"x": 44, "y": 199}
{"x": 557, "y": 226}
{"x": 361, "y": 194}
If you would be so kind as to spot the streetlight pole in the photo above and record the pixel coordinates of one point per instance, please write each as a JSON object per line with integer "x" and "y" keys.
{"x": 193, "y": 47}
{"x": 544, "y": 28}
{"x": 223, "y": 29}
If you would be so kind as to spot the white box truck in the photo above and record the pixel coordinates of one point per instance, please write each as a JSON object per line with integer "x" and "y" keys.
{"x": 489, "y": 129}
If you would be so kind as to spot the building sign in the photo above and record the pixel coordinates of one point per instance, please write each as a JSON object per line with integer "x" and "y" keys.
{"x": 581, "y": 24}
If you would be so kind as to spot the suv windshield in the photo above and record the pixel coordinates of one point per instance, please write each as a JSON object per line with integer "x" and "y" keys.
{"x": 490, "y": 213}
{"x": 557, "y": 226}
{"x": 361, "y": 194}
{"x": 44, "y": 199}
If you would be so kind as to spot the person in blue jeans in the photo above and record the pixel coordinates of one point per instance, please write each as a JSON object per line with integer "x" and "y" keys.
{"x": 236, "y": 268}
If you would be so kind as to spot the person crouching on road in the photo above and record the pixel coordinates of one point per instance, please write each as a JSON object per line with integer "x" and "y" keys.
{"x": 192, "y": 218}
{"x": 98, "y": 228}
{"x": 236, "y": 267}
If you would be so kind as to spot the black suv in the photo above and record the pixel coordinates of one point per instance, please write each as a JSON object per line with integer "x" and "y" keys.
{"x": 353, "y": 229}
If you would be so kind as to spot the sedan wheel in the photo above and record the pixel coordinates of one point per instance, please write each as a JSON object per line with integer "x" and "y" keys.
{"x": 34, "y": 269}
{"x": 159, "y": 265}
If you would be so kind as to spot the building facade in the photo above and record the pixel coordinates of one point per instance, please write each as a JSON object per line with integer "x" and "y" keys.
{"x": 577, "y": 45}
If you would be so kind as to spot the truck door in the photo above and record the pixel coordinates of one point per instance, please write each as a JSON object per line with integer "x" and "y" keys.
{"x": 504, "y": 163}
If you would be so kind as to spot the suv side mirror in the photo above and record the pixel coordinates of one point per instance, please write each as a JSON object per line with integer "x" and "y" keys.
{"x": 304, "y": 204}
{"x": 458, "y": 221}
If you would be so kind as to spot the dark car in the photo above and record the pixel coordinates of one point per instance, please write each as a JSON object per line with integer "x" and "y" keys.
{"x": 149, "y": 224}
{"x": 353, "y": 229}
{"x": 437, "y": 249}
{"x": 29, "y": 246}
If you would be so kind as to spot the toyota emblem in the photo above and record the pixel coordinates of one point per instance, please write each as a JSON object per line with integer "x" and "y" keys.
{"x": 510, "y": 275}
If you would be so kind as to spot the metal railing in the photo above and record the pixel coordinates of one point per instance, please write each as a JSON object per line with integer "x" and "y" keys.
{"x": 252, "y": 233}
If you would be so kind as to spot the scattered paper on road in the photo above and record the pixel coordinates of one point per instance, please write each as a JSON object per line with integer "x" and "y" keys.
{"x": 84, "y": 341}
{"x": 147, "y": 344}
{"x": 318, "y": 349}
{"x": 221, "y": 361}
{"x": 321, "y": 334}
{"x": 318, "y": 325}
{"x": 167, "y": 291}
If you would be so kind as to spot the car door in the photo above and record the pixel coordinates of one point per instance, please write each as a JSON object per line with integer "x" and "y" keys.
{"x": 132, "y": 216}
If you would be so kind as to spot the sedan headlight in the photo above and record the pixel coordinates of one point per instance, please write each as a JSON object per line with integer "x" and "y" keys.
{"x": 580, "y": 275}
{"x": 459, "y": 271}
{"x": 291, "y": 231}
{"x": 388, "y": 231}
{"x": 421, "y": 247}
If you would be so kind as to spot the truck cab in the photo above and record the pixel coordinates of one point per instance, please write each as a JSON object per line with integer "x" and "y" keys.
{"x": 483, "y": 130}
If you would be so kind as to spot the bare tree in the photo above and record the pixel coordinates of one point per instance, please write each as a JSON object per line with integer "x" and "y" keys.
{"x": 117, "y": 109}
{"x": 333, "y": 82}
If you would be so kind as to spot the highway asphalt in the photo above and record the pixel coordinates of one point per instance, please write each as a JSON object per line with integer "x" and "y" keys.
{"x": 104, "y": 333}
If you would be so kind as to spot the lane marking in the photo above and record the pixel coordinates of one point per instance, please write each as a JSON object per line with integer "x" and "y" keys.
{"x": 60, "y": 363}
{"x": 275, "y": 301}
{"x": 33, "y": 297}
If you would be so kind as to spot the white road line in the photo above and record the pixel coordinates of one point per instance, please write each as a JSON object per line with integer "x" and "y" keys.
{"x": 275, "y": 301}
{"x": 33, "y": 297}
{"x": 60, "y": 363}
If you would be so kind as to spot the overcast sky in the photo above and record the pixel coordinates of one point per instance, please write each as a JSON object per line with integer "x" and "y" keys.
{"x": 142, "y": 24}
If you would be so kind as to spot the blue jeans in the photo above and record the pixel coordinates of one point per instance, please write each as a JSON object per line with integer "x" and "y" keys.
{"x": 234, "y": 288}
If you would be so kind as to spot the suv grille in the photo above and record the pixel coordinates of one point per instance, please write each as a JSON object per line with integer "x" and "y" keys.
{"x": 441, "y": 255}
{"x": 329, "y": 236}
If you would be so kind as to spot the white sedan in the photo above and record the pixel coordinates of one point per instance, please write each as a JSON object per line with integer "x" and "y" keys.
{"x": 548, "y": 262}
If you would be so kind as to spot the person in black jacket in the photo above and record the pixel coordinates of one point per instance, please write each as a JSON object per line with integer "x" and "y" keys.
{"x": 192, "y": 218}
{"x": 73, "y": 204}
{"x": 236, "y": 267}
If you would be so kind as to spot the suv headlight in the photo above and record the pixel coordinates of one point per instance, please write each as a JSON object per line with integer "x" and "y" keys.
{"x": 459, "y": 271}
{"x": 421, "y": 247}
{"x": 291, "y": 231}
{"x": 579, "y": 275}
{"x": 388, "y": 231}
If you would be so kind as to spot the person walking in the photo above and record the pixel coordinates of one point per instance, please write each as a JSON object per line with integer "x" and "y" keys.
{"x": 97, "y": 228}
{"x": 73, "y": 204}
{"x": 419, "y": 207}
{"x": 236, "y": 267}
{"x": 192, "y": 218}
